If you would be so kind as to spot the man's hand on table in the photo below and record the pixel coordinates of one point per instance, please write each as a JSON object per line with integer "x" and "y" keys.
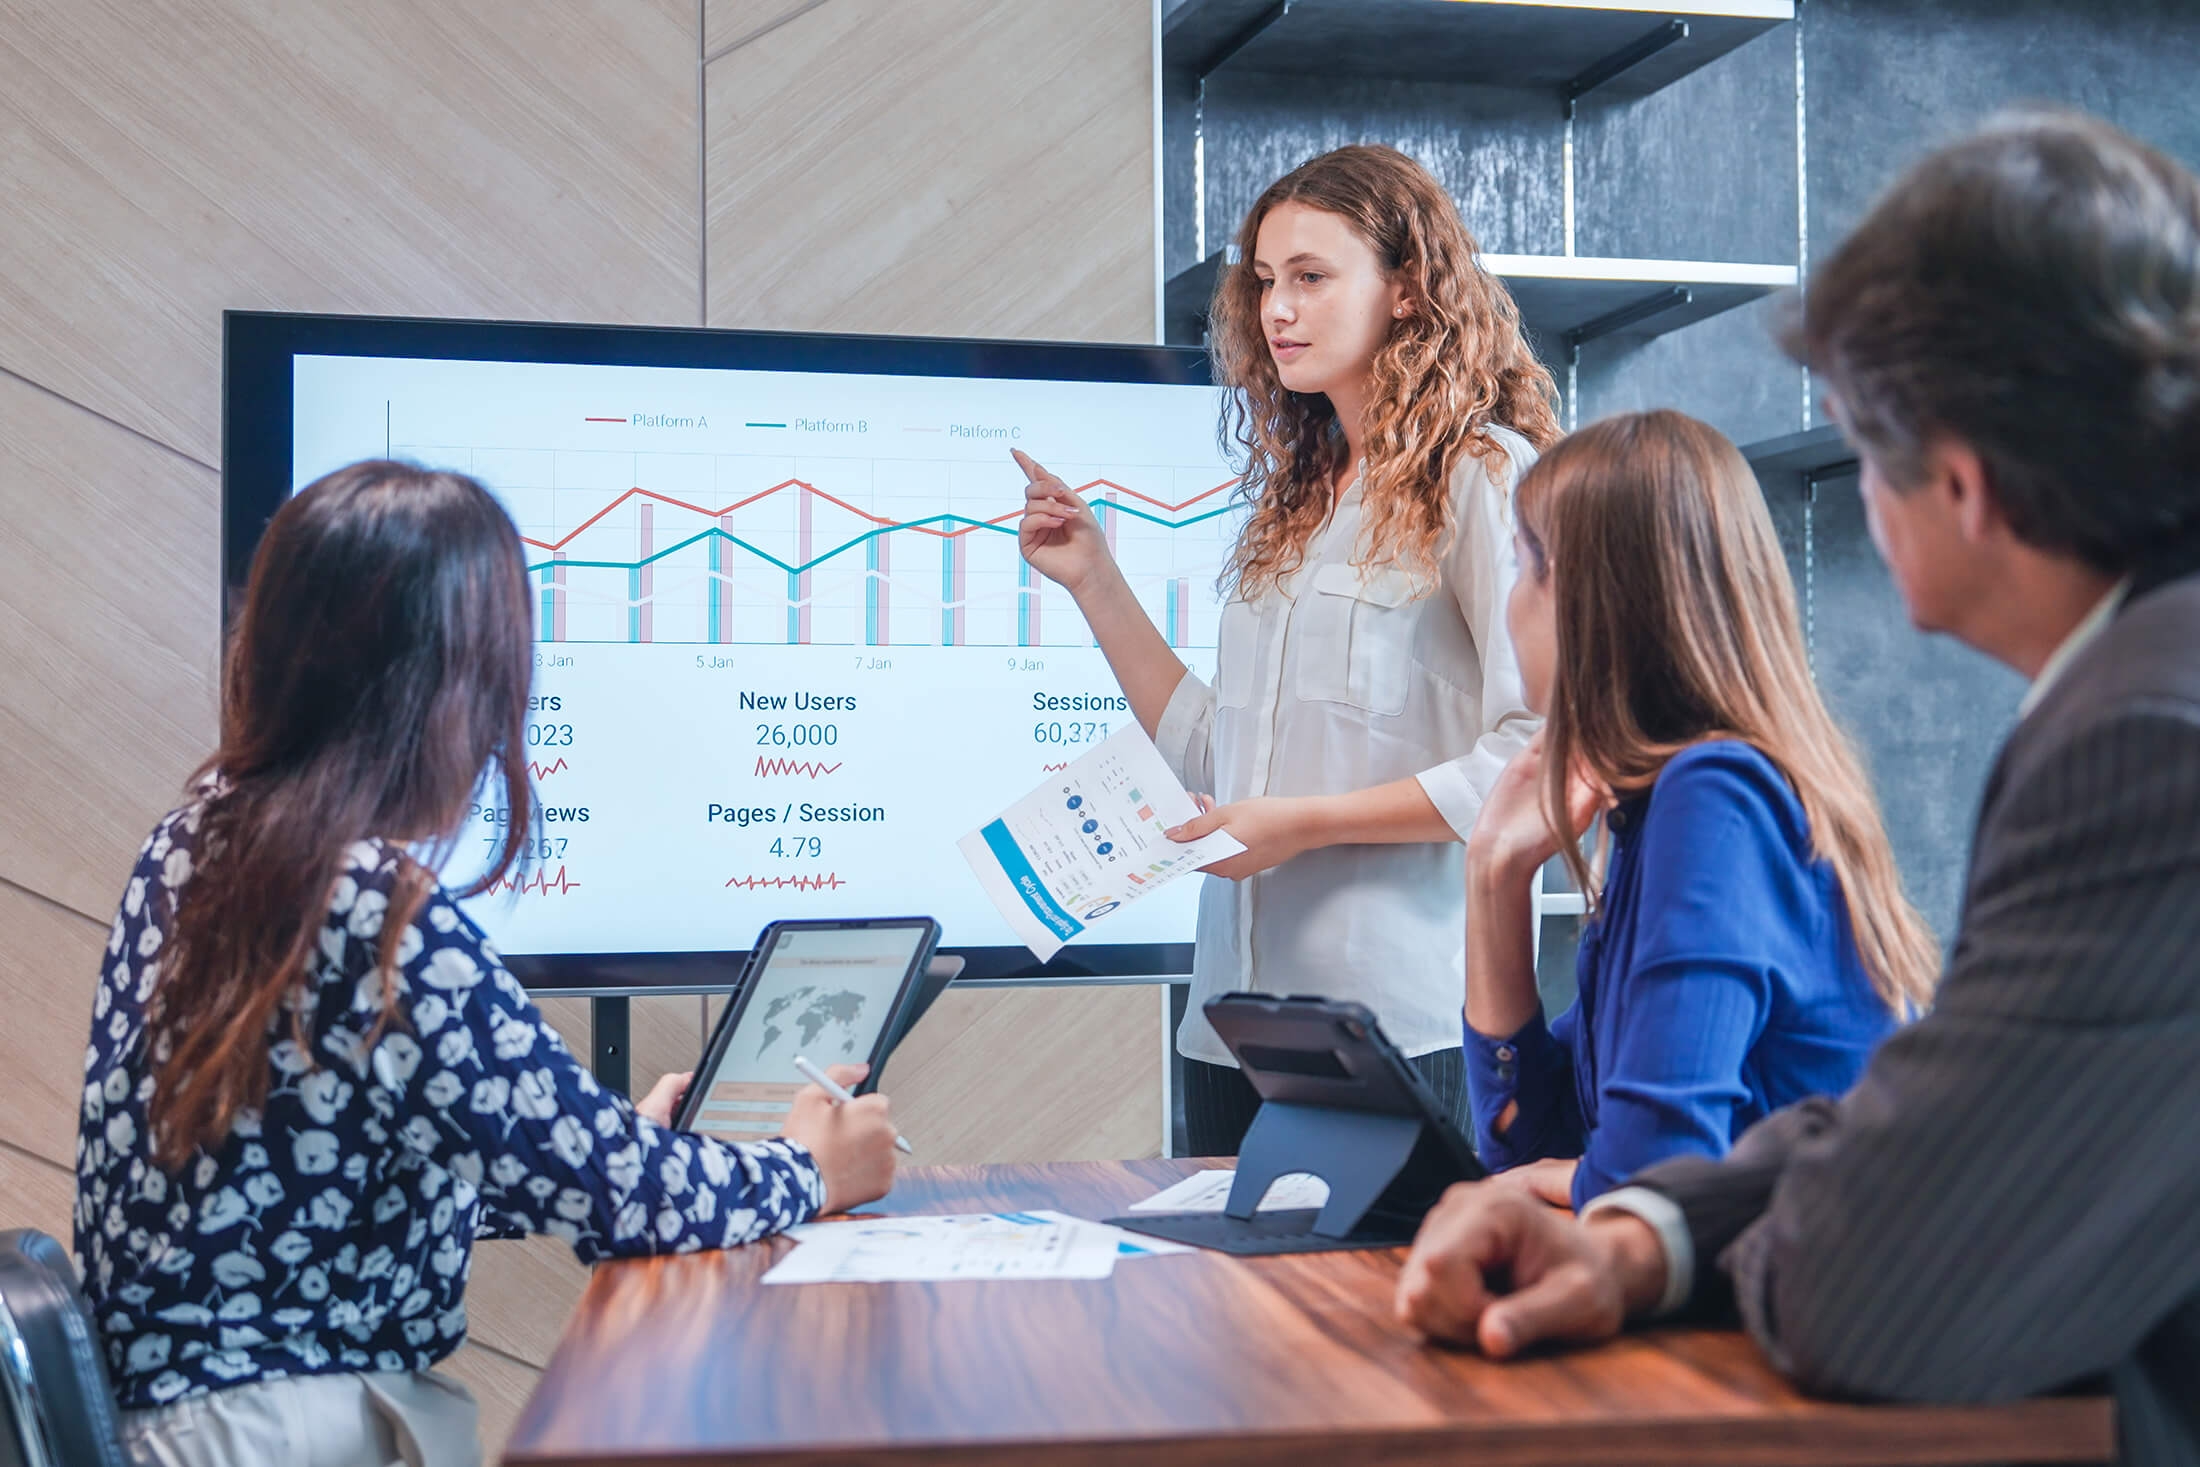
{"x": 1499, "y": 1269}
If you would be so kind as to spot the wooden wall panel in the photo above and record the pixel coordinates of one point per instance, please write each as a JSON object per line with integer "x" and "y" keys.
{"x": 1033, "y": 1074}
{"x": 728, "y": 24}
{"x": 50, "y": 961}
{"x": 961, "y": 167}
{"x": 1087, "y": 1060}
{"x": 40, "y": 1193}
{"x": 520, "y": 1292}
{"x": 107, "y": 642}
{"x": 165, "y": 162}
{"x": 501, "y": 1386}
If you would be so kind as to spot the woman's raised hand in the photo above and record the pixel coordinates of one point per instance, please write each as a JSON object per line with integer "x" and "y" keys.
{"x": 1059, "y": 534}
{"x": 1511, "y": 833}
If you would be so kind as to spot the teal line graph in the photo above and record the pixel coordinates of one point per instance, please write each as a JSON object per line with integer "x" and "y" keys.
{"x": 976, "y": 605}
{"x": 797, "y": 568}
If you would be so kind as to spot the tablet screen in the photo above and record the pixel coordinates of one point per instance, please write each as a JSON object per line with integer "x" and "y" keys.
{"x": 825, "y": 993}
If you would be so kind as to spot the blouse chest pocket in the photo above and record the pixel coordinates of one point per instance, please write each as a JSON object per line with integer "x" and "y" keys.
{"x": 1355, "y": 633}
{"x": 1237, "y": 644}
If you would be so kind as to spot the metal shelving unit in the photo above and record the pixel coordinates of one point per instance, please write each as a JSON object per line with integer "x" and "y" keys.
{"x": 1577, "y": 45}
{"x": 1566, "y": 299}
{"x": 1570, "y": 48}
{"x": 1801, "y": 458}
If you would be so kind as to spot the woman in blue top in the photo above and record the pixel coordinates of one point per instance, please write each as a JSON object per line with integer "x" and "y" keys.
{"x": 1749, "y": 941}
{"x": 311, "y": 1084}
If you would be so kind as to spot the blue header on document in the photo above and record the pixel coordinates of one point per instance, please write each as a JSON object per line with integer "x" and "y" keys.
{"x": 1027, "y": 883}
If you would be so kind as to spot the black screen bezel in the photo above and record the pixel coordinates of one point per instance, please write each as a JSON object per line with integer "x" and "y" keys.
{"x": 258, "y": 348}
{"x": 730, "y": 1021}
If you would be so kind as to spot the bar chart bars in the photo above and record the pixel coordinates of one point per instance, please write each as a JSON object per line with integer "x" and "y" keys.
{"x": 747, "y": 549}
{"x": 719, "y": 615}
{"x": 1028, "y": 626}
{"x": 877, "y": 590}
{"x": 641, "y": 581}
{"x": 954, "y": 563}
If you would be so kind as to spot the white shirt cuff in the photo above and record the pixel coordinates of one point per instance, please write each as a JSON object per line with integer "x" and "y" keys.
{"x": 1453, "y": 794}
{"x": 1184, "y": 722}
{"x": 1665, "y": 1219}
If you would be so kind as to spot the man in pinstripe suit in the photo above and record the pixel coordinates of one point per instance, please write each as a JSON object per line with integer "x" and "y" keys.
{"x": 2008, "y": 1201}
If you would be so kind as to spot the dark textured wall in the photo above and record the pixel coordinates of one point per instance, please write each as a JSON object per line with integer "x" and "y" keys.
{"x": 1703, "y": 170}
{"x": 1497, "y": 150}
{"x": 1707, "y": 169}
{"x": 1885, "y": 82}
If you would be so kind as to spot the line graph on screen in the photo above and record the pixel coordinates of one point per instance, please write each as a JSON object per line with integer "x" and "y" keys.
{"x": 741, "y": 549}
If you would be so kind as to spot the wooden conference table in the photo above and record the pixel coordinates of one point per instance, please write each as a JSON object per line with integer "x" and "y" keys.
{"x": 1194, "y": 1359}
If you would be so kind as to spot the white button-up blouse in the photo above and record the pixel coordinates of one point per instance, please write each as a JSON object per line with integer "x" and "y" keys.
{"x": 1338, "y": 679}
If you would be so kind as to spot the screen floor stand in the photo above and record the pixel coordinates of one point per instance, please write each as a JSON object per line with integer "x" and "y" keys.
{"x": 1358, "y": 1153}
{"x": 608, "y": 1024}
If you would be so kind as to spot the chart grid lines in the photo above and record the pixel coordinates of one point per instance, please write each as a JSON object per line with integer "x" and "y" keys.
{"x": 615, "y": 553}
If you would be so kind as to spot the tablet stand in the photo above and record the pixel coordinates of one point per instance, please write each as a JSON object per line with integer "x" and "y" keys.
{"x": 1358, "y": 1153}
{"x": 1384, "y": 1172}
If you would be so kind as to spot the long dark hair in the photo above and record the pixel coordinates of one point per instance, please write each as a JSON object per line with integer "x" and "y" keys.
{"x": 1676, "y": 623}
{"x": 377, "y": 672}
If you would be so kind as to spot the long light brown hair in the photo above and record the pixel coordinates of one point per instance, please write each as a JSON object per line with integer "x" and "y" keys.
{"x": 378, "y": 669}
{"x": 1676, "y": 623}
{"x": 1456, "y": 364}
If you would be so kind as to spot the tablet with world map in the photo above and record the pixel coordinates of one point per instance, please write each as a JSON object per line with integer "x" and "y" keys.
{"x": 828, "y": 991}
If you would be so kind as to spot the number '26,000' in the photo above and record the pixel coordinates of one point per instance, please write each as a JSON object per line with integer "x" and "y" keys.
{"x": 797, "y": 735}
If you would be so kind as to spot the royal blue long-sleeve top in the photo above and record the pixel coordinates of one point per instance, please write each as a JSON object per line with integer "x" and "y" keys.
{"x": 1718, "y": 982}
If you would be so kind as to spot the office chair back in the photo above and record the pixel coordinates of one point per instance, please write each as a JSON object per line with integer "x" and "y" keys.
{"x": 55, "y": 1398}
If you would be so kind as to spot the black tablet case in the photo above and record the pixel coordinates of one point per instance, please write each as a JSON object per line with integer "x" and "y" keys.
{"x": 938, "y": 973}
{"x": 1340, "y": 1102}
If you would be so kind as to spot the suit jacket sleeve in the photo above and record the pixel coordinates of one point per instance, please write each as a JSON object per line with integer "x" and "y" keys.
{"x": 2004, "y": 1202}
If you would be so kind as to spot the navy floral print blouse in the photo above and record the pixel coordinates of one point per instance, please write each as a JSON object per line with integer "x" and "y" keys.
{"x": 332, "y": 1229}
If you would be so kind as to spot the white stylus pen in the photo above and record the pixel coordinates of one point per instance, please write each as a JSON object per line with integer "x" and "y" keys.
{"x": 840, "y": 1096}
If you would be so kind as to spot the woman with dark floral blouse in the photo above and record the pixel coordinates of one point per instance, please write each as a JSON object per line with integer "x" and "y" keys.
{"x": 311, "y": 1084}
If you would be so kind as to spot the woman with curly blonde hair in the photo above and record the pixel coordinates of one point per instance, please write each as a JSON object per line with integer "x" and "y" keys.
{"x": 1366, "y": 697}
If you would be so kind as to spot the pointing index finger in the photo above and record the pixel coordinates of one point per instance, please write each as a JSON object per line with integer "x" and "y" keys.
{"x": 1029, "y": 465}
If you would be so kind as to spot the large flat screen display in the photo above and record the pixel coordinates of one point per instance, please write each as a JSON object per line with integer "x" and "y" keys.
{"x": 786, "y": 649}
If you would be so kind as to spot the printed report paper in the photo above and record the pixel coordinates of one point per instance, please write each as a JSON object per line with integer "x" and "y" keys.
{"x": 1210, "y": 1192}
{"x": 1089, "y": 842}
{"x": 1127, "y": 1244}
{"x": 991, "y": 1245}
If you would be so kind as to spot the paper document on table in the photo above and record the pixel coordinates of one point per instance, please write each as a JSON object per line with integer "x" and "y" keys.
{"x": 1210, "y": 1192}
{"x": 1089, "y": 841}
{"x": 991, "y": 1245}
{"x": 1127, "y": 1245}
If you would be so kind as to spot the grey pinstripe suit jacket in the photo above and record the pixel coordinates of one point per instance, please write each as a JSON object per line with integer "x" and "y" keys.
{"x": 2008, "y": 1201}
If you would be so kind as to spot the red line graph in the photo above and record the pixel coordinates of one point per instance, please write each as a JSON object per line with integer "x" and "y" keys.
{"x": 830, "y": 881}
{"x": 766, "y": 767}
{"x": 542, "y": 883}
{"x": 544, "y": 771}
{"x": 570, "y": 535}
{"x": 1050, "y": 768}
